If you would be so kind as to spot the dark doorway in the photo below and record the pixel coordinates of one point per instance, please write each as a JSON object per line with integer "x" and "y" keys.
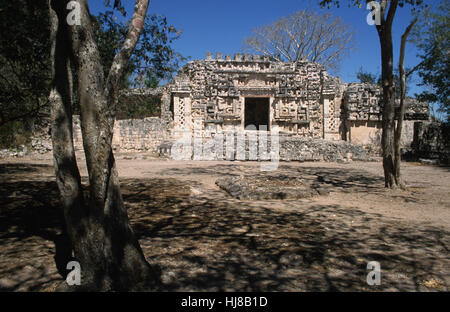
{"x": 257, "y": 112}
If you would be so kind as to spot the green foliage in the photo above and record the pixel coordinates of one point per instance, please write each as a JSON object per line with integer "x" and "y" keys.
{"x": 14, "y": 133}
{"x": 25, "y": 73}
{"x": 360, "y": 3}
{"x": 152, "y": 60}
{"x": 366, "y": 77}
{"x": 432, "y": 37}
{"x": 138, "y": 106}
{"x": 24, "y": 63}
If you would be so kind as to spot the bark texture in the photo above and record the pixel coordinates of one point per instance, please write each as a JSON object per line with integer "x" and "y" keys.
{"x": 102, "y": 239}
{"x": 398, "y": 130}
{"x": 387, "y": 77}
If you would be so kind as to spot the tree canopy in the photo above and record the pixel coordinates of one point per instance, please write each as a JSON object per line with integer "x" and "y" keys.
{"x": 366, "y": 77}
{"x": 153, "y": 59}
{"x": 303, "y": 35}
{"x": 433, "y": 41}
{"x": 24, "y": 64}
{"x": 25, "y": 67}
{"x": 384, "y": 15}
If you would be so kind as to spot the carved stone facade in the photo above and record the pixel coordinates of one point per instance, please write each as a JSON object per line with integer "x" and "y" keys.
{"x": 302, "y": 99}
{"x": 362, "y": 115}
{"x": 316, "y": 116}
{"x": 215, "y": 95}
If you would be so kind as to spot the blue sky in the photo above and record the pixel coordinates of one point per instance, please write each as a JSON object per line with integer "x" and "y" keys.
{"x": 220, "y": 26}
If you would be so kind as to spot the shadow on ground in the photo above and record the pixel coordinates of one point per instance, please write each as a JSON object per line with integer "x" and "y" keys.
{"x": 206, "y": 241}
{"x": 212, "y": 242}
{"x": 345, "y": 180}
{"x": 34, "y": 250}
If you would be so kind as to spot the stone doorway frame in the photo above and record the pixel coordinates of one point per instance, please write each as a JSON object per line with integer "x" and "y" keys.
{"x": 269, "y": 100}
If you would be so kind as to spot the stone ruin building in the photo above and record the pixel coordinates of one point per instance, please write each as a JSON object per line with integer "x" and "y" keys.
{"x": 302, "y": 99}
{"x": 318, "y": 116}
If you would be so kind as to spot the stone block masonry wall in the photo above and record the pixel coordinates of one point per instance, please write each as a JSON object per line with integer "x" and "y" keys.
{"x": 252, "y": 145}
{"x": 131, "y": 135}
{"x": 362, "y": 102}
{"x": 139, "y": 135}
{"x": 312, "y": 110}
{"x": 362, "y": 112}
{"x": 211, "y": 95}
{"x": 307, "y": 149}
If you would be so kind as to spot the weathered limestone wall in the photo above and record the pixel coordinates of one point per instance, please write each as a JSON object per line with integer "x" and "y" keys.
{"x": 262, "y": 145}
{"x": 137, "y": 135}
{"x": 210, "y": 96}
{"x": 407, "y": 134}
{"x": 363, "y": 132}
{"x": 363, "y": 118}
{"x": 131, "y": 135}
{"x": 314, "y": 112}
{"x": 306, "y": 149}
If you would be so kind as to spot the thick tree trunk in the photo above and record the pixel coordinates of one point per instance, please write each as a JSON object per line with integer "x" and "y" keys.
{"x": 102, "y": 239}
{"x": 387, "y": 139}
{"x": 66, "y": 169}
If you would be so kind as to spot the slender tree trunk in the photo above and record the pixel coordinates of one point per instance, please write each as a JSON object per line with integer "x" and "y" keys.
{"x": 398, "y": 130}
{"x": 102, "y": 239}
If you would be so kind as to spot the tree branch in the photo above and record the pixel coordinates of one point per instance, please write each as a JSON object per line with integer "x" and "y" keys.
{"x": 391, "y": 12}
{"x": 121, "y": 59}
{"x": 403, "y": 41}
{"x": 414, "y": 69}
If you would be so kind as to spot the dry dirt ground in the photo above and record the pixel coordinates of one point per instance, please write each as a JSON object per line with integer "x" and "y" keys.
{"x": 205, "y": 240}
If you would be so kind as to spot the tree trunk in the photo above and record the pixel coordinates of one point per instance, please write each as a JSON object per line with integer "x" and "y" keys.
{"x": 387, "y": 77}
{"x": 102, "y": 239}
{"x": 387, "y": 139}
{"x": 66, "y": 169}
{"x": 398, "y": 130}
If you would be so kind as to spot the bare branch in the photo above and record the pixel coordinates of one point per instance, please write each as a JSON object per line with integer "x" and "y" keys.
{"x": 121, "y": 59}
{"x": 303, "y": 35}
